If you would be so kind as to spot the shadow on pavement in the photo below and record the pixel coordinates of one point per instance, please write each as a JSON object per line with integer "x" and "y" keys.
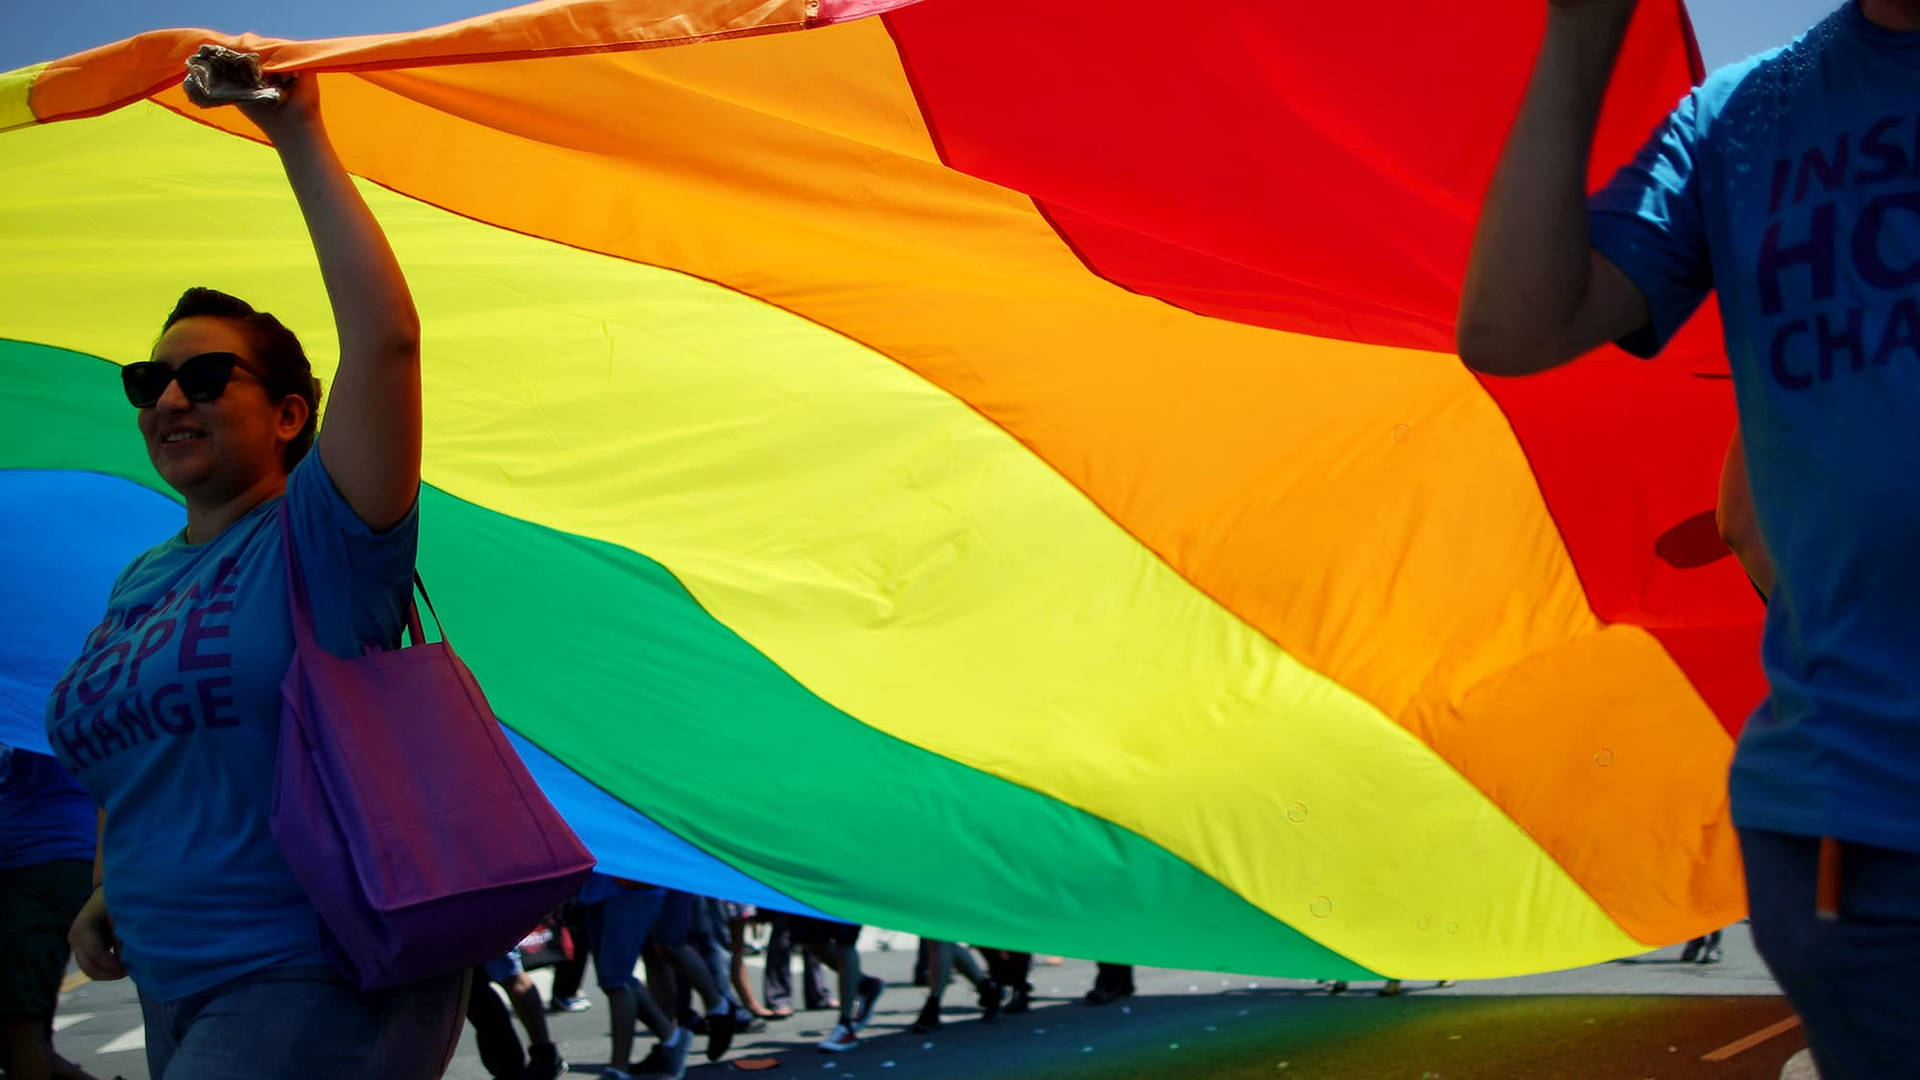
{"x": 1301, "y": 1034}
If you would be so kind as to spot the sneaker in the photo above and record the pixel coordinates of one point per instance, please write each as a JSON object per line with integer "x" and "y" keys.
{"x": 1107, "y": 995}
{"x": 668, "y": 1059}
{"x": 842, "y": 1039}
{"x": 545, "y": 1063}
{"x": 677, "y": 1048}
{"x": 719, "y": 1035}
{"x": 576, "y": 1003}
{"x": 871, "y": 988}
{"x": 656, "y": 1063}
{"x": 1392, "y": 989}
{"x": 1711, "y": 956}
{"x": 611, "y": 1073}
{"x": 1021, "y": 1001}
{"x": 1334, "y": 986}
{"x": 991, "y": 996}
{"x": 929, "y": 1017}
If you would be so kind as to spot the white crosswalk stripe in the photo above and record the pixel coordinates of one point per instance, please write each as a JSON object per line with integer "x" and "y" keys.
{"x": 63, "y": 1021}
{"x": 131, "y": 1040}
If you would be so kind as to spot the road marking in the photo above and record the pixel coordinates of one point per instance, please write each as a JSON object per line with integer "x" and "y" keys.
{"x": 67, "y": 1020}
{"x": 73, "y": 980}
{"x": 132, "y": 1040}
{"x": 1739, "y": 1046}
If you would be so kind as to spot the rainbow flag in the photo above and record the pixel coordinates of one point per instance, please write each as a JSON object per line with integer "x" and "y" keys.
{"x": 990, "y": 469}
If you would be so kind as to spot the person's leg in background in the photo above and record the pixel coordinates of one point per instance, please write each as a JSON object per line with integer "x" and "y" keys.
{"x": 1113, "y": 982}
{"x": 989, "y": 993}
{"x": 38, "y": 904}
{"x": 29, "y": 1053}
{"x": 943, "y": 957}
{"x": 836, "y": 946}
{"x": 619, "y": 926}
{"x": 570, "y": 974}
{"x": 501, "y": 1053}
{"x": 816, "y": 990}
{"x": 933, "y": 969}
{"x": 925, "y": 961}
{"x": 543, "y": 1057}
{"x": 779, "y": 974}
{"x": 776, "y": 981}
{"x": 737, "y": 967}
{"x": 1012, "y": 970}
{"x": 712, "y": 941}
{"x": 674, "y": 934}
{"x": 665, "y": 987}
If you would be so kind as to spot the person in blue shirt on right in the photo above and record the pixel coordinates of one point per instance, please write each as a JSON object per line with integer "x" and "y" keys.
{"x": 1790, "y": 184}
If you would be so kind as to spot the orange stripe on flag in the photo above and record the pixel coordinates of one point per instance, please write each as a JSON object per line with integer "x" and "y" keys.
{"x": 103, "y": 79}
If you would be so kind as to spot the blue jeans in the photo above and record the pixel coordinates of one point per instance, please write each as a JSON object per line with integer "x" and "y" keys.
{"x": 1852, "y": 980}
{"x": 713, "y": 939}
{"x": 619, "y": 926}
{"x": 305, "y": 1021}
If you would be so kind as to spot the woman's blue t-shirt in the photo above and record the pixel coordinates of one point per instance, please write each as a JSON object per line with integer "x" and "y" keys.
{"x": 170, "y": 719}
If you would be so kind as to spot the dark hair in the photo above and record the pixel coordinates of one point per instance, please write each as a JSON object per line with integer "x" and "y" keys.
{"x": 275, "y": 349}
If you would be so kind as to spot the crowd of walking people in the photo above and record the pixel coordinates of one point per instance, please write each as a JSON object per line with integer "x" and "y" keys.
{"x": 693, "y": 951}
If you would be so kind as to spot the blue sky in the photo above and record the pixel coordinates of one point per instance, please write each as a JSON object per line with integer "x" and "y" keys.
{"x": 1728, "y": 29}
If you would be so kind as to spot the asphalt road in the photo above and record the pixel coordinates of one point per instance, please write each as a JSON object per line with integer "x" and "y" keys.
{"x": 1650, "y": 1018}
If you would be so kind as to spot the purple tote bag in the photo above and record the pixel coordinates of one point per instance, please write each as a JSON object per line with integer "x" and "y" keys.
{"x": 404, "y": 811}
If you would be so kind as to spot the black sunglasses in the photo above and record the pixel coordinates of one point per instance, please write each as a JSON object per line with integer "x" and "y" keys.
{"x": 202, "y": 378}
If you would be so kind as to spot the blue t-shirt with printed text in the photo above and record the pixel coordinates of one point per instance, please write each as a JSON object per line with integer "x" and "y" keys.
{"x": 170, "y": 719}
{"x": 1790, "y": 184}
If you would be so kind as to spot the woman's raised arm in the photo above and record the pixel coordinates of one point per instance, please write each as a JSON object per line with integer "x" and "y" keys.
{"x": 370, "y": 440}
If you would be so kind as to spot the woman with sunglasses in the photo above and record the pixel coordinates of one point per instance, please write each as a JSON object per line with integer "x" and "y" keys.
{"x": 170, "y": 716}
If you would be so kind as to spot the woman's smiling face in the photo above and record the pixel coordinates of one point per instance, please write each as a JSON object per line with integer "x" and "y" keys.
{"x": 210, "y": 451}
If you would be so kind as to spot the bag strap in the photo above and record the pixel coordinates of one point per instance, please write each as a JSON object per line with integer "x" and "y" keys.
{"x": 413, "y": 614}
{"x": 297, "y": 605}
